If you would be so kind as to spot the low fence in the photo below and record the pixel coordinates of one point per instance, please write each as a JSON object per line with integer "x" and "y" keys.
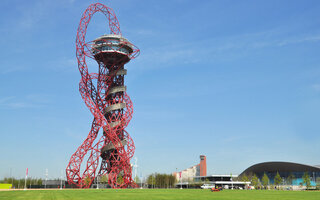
{"x": 5, "y": 186}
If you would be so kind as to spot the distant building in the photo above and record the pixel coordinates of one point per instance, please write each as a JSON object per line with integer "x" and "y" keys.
{"x": 224, "y": 181}
{"x": 203, "y": 165}
{"x": 196, "y": 170}
{"x": 285, "y": 169}
{"x": 196, "y": 176}
{"x": 291, "y": 174}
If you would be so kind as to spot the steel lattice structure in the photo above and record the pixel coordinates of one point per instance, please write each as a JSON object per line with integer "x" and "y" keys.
{"x": 105, "y": 95}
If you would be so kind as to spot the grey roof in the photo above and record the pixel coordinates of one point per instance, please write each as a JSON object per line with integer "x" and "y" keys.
{"x": 280, "y": 167}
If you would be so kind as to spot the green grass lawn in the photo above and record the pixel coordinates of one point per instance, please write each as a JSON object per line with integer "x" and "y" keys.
{"x": 110, "y": 194}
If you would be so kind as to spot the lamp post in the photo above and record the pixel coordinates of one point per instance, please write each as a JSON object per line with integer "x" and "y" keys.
{"x": 314, "y": 178}
{"x": 231, "y": 181}
{"x": 97, "y": 182}
{"x": 25, "y": 180}
{"x": 180, "y": 180}
{"x": 45, "y": 183}
{"x": 151, "y": 180}
{"x": 61, "y": 180}
{"x": 11, "y": 177}
{"x": 141, "y": 180}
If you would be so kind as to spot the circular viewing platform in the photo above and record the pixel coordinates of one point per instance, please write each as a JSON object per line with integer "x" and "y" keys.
{"x": 112, "y": 49}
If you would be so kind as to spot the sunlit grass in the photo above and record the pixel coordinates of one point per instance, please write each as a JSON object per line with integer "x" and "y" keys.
{"x": 94, "y": 194}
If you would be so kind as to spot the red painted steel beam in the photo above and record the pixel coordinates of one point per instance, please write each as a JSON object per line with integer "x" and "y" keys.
{"x": 112, "y": 109}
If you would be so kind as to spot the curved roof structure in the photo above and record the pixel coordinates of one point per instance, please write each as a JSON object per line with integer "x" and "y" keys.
{"x": 280, "y": 167}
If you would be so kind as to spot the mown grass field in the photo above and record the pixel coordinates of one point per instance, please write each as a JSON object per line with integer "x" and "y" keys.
{"x": 185, "y": 194}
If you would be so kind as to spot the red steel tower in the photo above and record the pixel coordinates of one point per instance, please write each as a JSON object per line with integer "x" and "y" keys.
{"x": 105, "y": 95}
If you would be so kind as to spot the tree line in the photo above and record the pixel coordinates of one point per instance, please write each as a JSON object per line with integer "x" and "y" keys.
{"x": 161, "y": 181}
{"x": 20, "y": 183}
{"x": 264, "y": 183}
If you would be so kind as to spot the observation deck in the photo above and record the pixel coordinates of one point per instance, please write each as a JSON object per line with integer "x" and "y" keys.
{"x": 112, "y": 49}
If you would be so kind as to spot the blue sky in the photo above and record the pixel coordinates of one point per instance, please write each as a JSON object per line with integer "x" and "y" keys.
{"x": 237, "y": 81}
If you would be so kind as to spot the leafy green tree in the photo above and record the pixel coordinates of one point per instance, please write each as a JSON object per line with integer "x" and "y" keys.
{"x": 172, "y": 180}
{"x": 120, "y": 179}
{"x": 166, "y": 179}
{"x": 244, "y": 178}
{"x": 137, "y": 179}
{"x": 87, "y": 181}
{"x": 265, "y": 180}
{"x": 277, "y": 179}
{"x": 306, "y": 179}
{"x": 103, "y": 178}
{"x": 255, "y": 181}
{"x": 271, "y": 186}
{"x": 161, "y": 180}
{"x": 318, "y": 183}
{"x": 290, "y": 178}
{"x": 151, "y": 180}
{"x": 40, "y": 182}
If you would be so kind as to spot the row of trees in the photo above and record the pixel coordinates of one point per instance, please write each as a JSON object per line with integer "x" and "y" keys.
{"x": 161, "y": 181}
{"x": 20, "y": 183}
{"x": 265, "y": 181}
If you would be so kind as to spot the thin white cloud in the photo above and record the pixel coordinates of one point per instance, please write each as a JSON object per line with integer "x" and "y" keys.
{"x": 225, "y": 48}
{"x": 165, "y": 56}
{"x": 29, "y": 101}
{"x": 63, "y": 64}
{"x": 5, "y": 99}
{"x": 33, "y": 13}
{"x": 315, "y": 38}
{"x": 11, "y": 69}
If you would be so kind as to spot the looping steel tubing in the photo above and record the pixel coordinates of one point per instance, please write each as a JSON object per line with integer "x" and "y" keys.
{"x": 109, "y": 103}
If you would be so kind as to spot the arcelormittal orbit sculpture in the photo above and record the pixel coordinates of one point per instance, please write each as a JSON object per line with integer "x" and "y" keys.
{"x": 105, "y": 95}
